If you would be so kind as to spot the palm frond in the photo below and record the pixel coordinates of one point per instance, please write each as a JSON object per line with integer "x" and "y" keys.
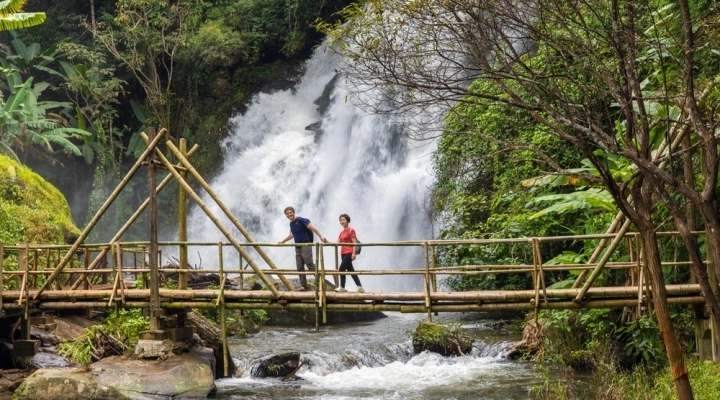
{"x": 21, "y": 20}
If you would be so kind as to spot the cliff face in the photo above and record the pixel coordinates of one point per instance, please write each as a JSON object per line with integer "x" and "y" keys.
{"x": 31, "y": 209}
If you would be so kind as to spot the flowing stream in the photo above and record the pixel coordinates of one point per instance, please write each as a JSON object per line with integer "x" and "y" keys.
{"x": 374, "y": 360}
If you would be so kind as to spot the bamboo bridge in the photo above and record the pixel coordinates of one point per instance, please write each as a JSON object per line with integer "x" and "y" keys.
{"x": 39, "y": 279}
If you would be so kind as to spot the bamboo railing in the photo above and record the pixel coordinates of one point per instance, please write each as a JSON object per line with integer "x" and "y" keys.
{"x": 25, "y": 270}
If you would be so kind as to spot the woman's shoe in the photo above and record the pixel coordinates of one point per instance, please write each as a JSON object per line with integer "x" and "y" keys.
{"x": 340, "y": 289}
{"x": 360, "y": 289}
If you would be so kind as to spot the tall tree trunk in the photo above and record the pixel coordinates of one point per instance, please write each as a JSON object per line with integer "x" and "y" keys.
{"x": 646, "y": 228}
{"x": 92, "y": 16}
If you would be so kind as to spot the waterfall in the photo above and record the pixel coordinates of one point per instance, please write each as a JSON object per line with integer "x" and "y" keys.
{"x": 351, "y": 162}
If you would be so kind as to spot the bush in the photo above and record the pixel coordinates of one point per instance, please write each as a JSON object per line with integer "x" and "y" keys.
{"x": 443, "y": 339}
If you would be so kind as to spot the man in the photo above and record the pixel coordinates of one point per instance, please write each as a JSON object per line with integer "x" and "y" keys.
{"x": 301, "y": 230}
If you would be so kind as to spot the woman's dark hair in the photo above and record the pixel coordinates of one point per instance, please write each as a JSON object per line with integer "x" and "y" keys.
{"x": 347, "y": 217}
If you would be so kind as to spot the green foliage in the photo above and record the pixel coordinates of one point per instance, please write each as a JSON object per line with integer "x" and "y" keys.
{"x": 259, "y": 317}
{"x": 573, "y": 337}
{"x": 123, "y": 326}
{"x": 12, "y": 17}
{"x": 26, "y": 122}
{"x": 31, "y": 210}
{"x": 449, "y": 339}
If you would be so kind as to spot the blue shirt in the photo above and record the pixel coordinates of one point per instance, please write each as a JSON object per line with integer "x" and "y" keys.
{"x": 301, "y": 233}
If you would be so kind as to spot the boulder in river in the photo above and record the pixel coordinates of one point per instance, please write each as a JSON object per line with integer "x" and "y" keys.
{"x": 276, "y": 366}
{"x": 448, "y": 340}
{"x": 185, "y": 376}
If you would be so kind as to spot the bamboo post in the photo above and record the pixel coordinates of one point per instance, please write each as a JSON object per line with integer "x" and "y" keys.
{"x": 536, "y": 279}
{"x": 23, "y": 266}
{"x": 2, "y": 261}
{"x": 100, "y": 212}
{"x": 317, "y": 288}
{"x": 221, "y": 300}
{"x": 153, "y": 217}
{"x": 132, "y": 219}
{"x": 121, "y": 279}
{"x": 337, "y": 267}
{"x": 220, "y": 226}
{"x": 113, "y": 260}
{"x": 142, "y": 265}
{"x": 426, "y": 280}
{"x": 323, "y": 286}
{"x": 182, "y": 223}
{"x": 226, "y": 210}
{"x": 608, "y": 253}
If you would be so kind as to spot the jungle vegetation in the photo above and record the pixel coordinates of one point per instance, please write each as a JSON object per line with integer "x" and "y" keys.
{"x": 557, "y": 116}
{"x": 78, "y": 89}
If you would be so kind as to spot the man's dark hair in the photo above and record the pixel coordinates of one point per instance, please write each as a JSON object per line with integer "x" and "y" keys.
{"x": 347, "y": 217}
{"x": 288, "y": 208}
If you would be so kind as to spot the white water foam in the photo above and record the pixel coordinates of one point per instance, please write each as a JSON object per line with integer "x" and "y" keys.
{"x": 358, "y": 165}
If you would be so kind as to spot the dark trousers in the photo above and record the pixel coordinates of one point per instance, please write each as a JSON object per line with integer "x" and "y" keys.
{"x": 346, "y": 265}
{"x": 303, "y": 257}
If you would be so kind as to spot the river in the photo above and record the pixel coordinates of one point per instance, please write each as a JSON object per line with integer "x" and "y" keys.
{"x": 374, "y": 360}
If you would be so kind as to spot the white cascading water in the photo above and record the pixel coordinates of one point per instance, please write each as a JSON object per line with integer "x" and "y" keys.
{"x": 357, "y": 164}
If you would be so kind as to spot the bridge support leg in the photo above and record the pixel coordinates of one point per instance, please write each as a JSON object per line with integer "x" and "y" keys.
{"x": 705, "y": 338}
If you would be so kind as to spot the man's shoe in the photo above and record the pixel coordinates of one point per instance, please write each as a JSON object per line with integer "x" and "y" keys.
{"x": 302, "y": 289}
{"x": 360, "y": 289}
{"x": 340, "y": 289}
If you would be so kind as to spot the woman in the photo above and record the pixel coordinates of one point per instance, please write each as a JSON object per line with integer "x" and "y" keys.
{"x": 347, "y": 253}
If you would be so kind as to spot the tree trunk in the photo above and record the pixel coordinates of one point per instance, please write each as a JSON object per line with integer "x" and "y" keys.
{"x": 678, "y": 367}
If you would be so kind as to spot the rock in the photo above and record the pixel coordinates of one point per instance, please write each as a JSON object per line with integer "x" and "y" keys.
{"x": 276, "y": 366}
{"x": 47, "y": 338}
{"x": 323, "y": 101}
{"x": 517, "y": 350}
{"x": 42, "y": 360}
{"x": 186, "y": 376}
{"x": 6, "y": 355}
{"x": 57, "y": 384}
{"x": 446, "y": 340}
{"x": 10, "y": 379}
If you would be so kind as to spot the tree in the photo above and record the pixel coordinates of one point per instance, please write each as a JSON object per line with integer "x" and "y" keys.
{"x": 12, "y": 17}
{"x": 610, "y": 78}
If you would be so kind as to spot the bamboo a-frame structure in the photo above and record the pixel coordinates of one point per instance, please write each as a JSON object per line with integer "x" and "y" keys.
{"x": 148, "y": 157}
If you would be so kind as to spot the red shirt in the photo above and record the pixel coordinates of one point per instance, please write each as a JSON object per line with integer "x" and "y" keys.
{"x": 346, "y": 236}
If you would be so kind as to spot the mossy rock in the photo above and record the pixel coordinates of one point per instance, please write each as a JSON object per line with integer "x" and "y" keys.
{"x": 448, "y": 340}
{"x": 31, "y": 209}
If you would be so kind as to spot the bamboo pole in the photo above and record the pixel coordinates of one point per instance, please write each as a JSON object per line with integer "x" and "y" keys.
{"x": 133, "y": 218}
{"x": 113, "y": 259}
{"x": 225, "y": 210}
{"x": 223, "y": 322}
{"x": 22, "y": 267}
{"x": 100, "y": 212}
{"x": 603, "y": 260}
{"x": 426, "y": 280}
{"x": 317, "y": 289}
{"x": 217, "y": 223}
{"x": 337, "y": 268}
{"x": 485, "y": 296}
{"x": 323, "y": 286}
{"x": 405, "y": 308}
{"x": 182, "y": 223}
{"x": 121, "y": 279}
{"x": 596, "y": 253}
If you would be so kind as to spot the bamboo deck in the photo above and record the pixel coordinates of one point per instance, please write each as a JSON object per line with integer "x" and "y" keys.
{"x": 405, "y": 302}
